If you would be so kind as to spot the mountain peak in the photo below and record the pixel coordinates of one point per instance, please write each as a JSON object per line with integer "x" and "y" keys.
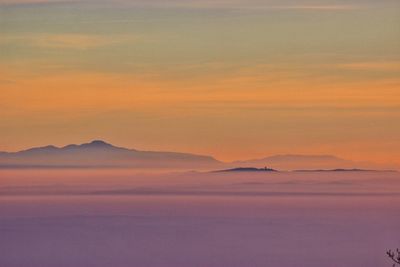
{"x": 97, "y": 143}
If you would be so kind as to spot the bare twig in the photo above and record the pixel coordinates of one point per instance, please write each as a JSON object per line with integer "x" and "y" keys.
{"x": 394, "y": 256}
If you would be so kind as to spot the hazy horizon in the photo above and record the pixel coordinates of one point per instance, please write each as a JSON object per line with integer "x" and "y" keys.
{"x": 123, "y": 218}
{"x": 98, "y": 153}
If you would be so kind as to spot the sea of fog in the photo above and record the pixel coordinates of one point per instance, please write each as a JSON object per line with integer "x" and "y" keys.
{"x": 125, "y": 218}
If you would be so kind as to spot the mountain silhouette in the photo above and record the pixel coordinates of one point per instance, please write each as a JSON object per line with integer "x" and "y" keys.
{"x": 98, "y": 153}
{"x": 101, "y": 154}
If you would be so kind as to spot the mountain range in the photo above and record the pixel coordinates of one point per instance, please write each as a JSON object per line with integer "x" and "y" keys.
{"x": 101, "y": 154}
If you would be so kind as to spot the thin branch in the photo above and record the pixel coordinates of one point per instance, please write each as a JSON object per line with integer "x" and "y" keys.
{"x": 392, "y": 255}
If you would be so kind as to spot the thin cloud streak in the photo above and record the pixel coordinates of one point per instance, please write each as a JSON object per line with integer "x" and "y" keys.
{"x": 12, "y": 3}
{"x": 67, "y": 41}
{"x": 229, "y": 5}
{"x": 372, "y": 66}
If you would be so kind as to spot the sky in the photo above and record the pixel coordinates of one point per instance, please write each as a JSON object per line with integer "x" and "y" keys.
{"x": 234, "y": 79}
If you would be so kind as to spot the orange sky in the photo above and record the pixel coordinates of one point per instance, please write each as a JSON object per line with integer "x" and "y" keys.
{"x": 235, "y": 85}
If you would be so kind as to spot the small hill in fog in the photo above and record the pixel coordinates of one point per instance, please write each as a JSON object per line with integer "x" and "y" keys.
{"x": 295, "y": 162}
{"x": 248, "y": 169}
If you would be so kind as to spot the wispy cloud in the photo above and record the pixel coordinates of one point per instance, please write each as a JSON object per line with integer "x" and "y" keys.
{"x": 371, "y": 66}
{"x": 224, "y": 4}
{"x": 316, "y": 7}
{"x": 67, "y": 41}
{"x": 252, "y": 5}
{"x": 31, "y": 2}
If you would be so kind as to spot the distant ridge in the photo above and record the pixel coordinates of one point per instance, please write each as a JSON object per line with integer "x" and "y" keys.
{"x": 95, "y": 144}
{"x": 98, "y": 153}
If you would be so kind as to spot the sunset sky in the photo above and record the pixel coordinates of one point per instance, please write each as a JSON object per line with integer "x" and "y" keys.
{"x": 235, "y": 79}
